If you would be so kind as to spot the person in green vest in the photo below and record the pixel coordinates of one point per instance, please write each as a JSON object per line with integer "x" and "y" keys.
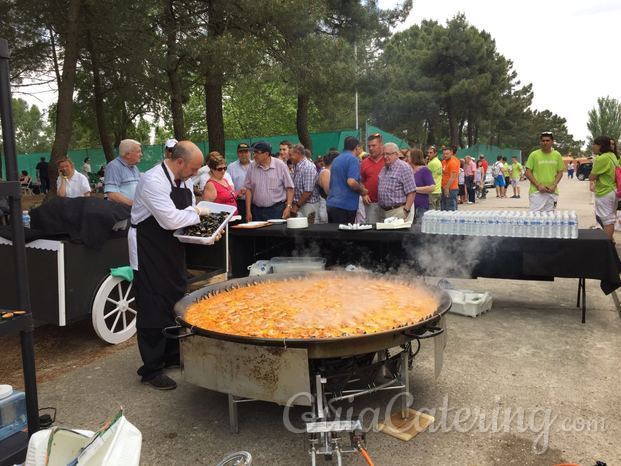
{"x": 603, "y": 183}
{"x": 435, "y": 166}
{"x": 544, "y": 170}
{"x": 516, "y": 174}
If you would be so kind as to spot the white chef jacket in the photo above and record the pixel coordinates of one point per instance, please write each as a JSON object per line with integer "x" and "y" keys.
{"x": 153, "y": 199}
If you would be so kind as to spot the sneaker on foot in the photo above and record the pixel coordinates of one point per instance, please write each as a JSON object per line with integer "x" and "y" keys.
{"x": 161, "y": 382}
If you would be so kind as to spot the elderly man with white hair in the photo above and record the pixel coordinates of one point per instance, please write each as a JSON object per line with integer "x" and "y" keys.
{"x": 122, "y": 174}
{"x": 396, "y": 187}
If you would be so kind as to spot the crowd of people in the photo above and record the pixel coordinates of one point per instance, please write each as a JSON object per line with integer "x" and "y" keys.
{"x": 353, "y": 185}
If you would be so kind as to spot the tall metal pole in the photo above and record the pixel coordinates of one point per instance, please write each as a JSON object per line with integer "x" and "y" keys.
{"x": 356, "y": 89}
{"x": 19, "y": 243}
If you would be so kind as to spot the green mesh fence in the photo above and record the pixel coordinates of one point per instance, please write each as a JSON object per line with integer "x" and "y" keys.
{"x": 491, "y": 153}
{"x": 152, "y": 155}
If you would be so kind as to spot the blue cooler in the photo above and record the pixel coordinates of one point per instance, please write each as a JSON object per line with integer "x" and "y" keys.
{"x": 12, "y": 411}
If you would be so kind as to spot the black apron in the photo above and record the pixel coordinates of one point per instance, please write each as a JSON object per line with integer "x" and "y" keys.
{"x": 161, "y": 277}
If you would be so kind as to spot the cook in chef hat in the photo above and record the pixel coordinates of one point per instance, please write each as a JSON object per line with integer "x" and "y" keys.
{"x": 169, "y": 146}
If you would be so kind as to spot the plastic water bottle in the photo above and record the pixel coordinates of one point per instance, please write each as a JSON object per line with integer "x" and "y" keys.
{"x": 547, "y": 225}
{"x": 26, "y": 219}
{"x": 536, "y": 225}
{"x": 557, "y": 219}
{"x": 565, "y": 234}
{"x": 573, "y": 225}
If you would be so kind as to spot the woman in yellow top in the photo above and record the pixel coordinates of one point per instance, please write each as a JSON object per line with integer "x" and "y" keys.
{"x": 604, "y": 185}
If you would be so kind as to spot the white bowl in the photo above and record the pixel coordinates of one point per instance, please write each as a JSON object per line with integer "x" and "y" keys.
{"x": 297, "y": 222}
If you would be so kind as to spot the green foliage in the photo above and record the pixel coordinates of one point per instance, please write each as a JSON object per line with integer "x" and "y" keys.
{"x": 605, "y": 119}
{"x": 437, "y": 83}
{"x": 32, "y": 134}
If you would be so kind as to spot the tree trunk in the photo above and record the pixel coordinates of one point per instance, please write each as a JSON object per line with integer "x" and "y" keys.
{"x": 214, "y": 80}
{"x": 213, "y": 112}
{"x": 64, "y": 107}
{"x": 470, "y": 132}
{"x": 301, "y": 121}
{"x": 98, "y": 100}
{"x": 453, "y": 125}
{"x": 172, "y": 70}
{"x": 462, "y": 123}
{"x": 431, "y": 137}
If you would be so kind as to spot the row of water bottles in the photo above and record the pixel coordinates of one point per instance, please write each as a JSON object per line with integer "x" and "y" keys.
{"x": 560, "y": 224}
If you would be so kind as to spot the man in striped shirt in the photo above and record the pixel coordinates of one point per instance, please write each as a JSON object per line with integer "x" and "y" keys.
{"x": 269, "y": 187}
{"x": 305, "y": 194}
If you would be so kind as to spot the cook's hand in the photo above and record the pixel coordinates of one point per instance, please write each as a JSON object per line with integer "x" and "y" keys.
{"x": 286, "y": 213}
{"x": 592, "y": 186}
{"x": 202, "y": 210}
{"x": 218, "y": 236}
{"x": 366, "y": 199}
{"x": 294, "y": 211}
{"x": 248, "y": 217}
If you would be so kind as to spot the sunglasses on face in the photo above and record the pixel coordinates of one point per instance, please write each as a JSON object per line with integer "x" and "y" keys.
{"x": 220, "y": 169}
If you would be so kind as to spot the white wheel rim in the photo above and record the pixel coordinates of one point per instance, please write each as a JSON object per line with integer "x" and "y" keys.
{"x": 114, "y": 310}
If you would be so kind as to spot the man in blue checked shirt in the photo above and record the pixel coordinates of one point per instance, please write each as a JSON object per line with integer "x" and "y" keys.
{"x": 122, "y": 174}
{"x": 305, "y": 193}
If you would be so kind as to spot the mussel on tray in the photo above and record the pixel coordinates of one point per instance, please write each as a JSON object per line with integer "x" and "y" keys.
{"x": 207, "y": 226}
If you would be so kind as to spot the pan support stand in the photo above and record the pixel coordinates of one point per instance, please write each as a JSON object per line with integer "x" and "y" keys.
{"x": 233, "y": 414}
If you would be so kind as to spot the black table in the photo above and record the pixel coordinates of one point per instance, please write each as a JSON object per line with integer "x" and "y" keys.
{"x": 592, "y": 255}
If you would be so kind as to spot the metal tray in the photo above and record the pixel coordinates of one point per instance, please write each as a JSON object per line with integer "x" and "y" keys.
{"x": 209, "y": 240}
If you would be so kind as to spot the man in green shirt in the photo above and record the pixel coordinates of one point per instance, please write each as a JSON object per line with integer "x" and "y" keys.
{"x": 544, "y": 170}
{"x": 516, "y": 174}
{"x": 435, "y": 166}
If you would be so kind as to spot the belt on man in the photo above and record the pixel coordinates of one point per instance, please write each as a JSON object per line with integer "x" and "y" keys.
{"x": 393, "y": 207}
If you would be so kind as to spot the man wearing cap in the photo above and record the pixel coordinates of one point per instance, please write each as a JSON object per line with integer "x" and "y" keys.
{"x": 122, "y": 174}
{"x": 345, "y": 186}
{"x": 269, "y": 187}
{"x": 369, "y": 176}
{"x": 396, "y": 188}
{"x": 169, "y": 146}
{"x": 305, "y": 193}
{"x": 544, "y": 170}
{"x": 163, "y": 203}
{"x": 238, "y": 171}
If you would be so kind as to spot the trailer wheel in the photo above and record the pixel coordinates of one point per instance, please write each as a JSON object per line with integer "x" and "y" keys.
{"x": 114, "y": 310}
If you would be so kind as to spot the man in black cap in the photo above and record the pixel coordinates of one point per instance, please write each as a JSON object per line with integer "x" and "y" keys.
{"x": 269, "y": 187}
{"x": 238, "y": 171}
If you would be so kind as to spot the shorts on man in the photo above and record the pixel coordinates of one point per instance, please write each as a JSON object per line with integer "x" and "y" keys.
{"x": 500, "y": 181}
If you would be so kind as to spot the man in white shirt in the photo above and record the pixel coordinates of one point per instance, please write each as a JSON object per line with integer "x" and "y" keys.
{"x": 71, "y": 183}
{"x": 163, "y": 203}
{"x": 238, "y": 171}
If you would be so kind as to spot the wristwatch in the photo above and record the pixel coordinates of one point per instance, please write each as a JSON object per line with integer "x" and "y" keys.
{"x": 289, "y": 206}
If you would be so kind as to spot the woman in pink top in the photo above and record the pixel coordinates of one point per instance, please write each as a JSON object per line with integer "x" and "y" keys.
{"x": 217, "y": 188}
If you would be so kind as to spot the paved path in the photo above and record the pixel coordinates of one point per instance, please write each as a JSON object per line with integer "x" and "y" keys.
{"x": 530, "y": 359}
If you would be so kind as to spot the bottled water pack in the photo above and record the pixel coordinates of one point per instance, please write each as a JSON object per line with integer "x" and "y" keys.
{"x": 559, "y": 224}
